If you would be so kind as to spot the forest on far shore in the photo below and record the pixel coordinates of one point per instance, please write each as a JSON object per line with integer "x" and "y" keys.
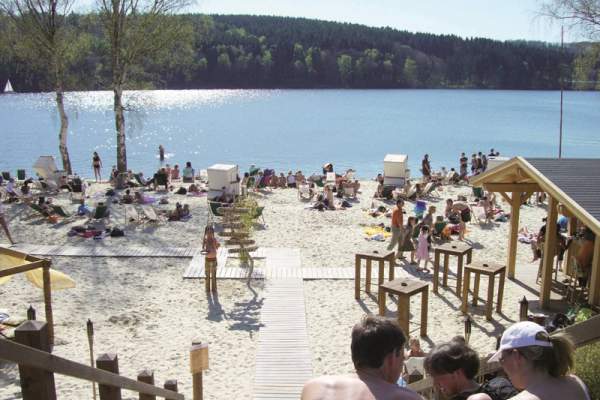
{"x": 241, "y": 51}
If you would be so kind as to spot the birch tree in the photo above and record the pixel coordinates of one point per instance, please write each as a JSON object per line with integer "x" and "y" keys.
{"x": 135, "y": 30}
{"x": 39, "y": 37}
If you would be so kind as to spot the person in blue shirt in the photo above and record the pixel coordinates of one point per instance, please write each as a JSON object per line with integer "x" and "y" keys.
{"x": 564, "y": 223}
{"x": 86, "y": 210}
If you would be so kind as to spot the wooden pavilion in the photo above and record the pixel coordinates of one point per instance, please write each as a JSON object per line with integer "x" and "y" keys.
{"x": 573, "y": 188}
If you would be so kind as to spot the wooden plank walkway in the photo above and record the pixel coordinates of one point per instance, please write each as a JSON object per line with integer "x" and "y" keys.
{"x": 283, "y": 363}
{"x": 104, "y": 251}
{"x": 283, "y": 258}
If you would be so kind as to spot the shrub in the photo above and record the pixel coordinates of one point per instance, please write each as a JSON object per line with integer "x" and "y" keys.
{"x": 587, "y": 365}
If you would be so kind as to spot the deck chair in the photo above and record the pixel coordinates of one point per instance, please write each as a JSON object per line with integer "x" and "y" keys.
{"x": 213, "y": 212}
{"x": 6, "y": 175}
{"x": 330, "y": 177}
{"x": 426, "y": 190}
{"x": 387, "y": 192}
{"x": 264, "y": 182}
{"x": 161, "y": 180}
{"x": 259, "y": 214}
{"x": 61, "y": 212}
{"x": 438, "y": 228}
{"x": 37, "y": 185}
{"x": 131, "y": 214}
{"x": 479, "y": 215}
{"x": 77, "y": 191}
{"x": 21, "y": 175}
{"x": 77, "y": 181}
{"x": 449, "y": 178}
{"x": 101, "y": 212}
{"x": 303, "y": 190}
{"x": 350, "y": 191}
{"x": 4, "y": 193}
{"x": 137, "y": 179}
{"x": 21, "y": 196}
{"x": 250, "y": 183}
{"x": 477, "y": 193}
{"x": 38, "y": 211}
{"x": 151, "y": 214}
{"x": 319, "y": 183}
{"x": 52, "y": 185}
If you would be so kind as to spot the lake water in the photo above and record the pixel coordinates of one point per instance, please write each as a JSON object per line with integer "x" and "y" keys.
{"x": 299, "y": 129}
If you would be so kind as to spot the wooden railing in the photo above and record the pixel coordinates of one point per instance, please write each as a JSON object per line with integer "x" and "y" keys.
{"x": 37, "y": 367}
{"x": 583, "y": 334}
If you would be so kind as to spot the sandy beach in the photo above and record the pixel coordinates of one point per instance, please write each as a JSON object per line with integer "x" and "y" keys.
{"x": 144, "y": 311}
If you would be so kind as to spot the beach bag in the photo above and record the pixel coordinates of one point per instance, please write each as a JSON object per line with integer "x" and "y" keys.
{"x": 446, "y": 233}
{"x": 52, "y": 219}
{"x": 500, "y": 388}
{"x": 110, "y": 192}
{"x": 182, "y": 190}
{"x": 116, "y": 232}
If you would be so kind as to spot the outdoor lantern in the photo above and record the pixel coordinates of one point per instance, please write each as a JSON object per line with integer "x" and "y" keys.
{"x": 31, "y": 313}
{"x": 90, "y": 328}
{"x": 468, "y": 325}
{"x": 523, "y": 309}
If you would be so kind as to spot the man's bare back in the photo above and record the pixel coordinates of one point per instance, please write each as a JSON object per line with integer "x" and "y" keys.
{"x": 355, "y": 387}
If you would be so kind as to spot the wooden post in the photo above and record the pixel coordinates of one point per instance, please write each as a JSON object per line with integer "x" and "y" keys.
{"x": 146, "y": 376}
{"x": 198, "y": 363}
{"x": 513, "y": 234}
{"x": 171, "y": 384}
{"x": 48, "y": 298}
{"x": 549, "y": 246}
{"x": 108, "y": 362}
{"x": 594, "y": 297}
{"x": 36, "y": 384}
{"x": 568, "y": 263}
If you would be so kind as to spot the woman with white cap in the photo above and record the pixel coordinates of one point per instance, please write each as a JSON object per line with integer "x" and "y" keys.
{"x": 539, "y": 364}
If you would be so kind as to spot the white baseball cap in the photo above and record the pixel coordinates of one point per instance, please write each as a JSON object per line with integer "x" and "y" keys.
{"x": 522, "y": 334}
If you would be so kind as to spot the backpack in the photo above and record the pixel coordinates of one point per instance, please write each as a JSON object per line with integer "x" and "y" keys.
{"x": 500, "y": 388}
{"x": 116, "y": 232}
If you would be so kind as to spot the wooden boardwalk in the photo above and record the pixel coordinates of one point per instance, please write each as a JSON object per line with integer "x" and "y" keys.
{"x": 283, "y": 363}
{"x": 104, "y": 251}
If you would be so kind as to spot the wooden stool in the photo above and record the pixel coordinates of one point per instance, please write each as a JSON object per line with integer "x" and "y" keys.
{"x": 449, "y": 249}
{"x": 491, "y": 270}
{"x": 405, "y": 289}
{"x": 372, "y": 255}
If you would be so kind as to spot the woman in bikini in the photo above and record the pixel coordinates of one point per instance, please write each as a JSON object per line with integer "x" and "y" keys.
{"x": 96, "y": 165}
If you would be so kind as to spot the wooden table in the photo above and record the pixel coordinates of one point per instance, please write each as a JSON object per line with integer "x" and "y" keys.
{"x": 449, "y": 249}
{"x": 491, "y": 270}
{"x": 405, "y": 289}
{"x": 372, "y": 255}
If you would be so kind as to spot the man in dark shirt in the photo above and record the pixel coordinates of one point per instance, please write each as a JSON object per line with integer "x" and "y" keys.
{"x": 426, "y": 168}
{"x": 463, "y": 163}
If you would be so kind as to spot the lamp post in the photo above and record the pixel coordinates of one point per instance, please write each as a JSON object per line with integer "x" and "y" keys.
{"x": 468, "y": 325}
{"x": 523, "y": 309}
{"x": 31, "y": 313}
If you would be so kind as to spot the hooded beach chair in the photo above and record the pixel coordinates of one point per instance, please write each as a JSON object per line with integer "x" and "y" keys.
{"x": 131, "y": 214}
{"x": 153, "y": 215}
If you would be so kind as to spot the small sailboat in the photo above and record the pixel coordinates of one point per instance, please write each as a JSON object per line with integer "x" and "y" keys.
{"x": 8, "y": 88}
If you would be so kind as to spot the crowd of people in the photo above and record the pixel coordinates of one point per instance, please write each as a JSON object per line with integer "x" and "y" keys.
{"x": 539, "y": 366}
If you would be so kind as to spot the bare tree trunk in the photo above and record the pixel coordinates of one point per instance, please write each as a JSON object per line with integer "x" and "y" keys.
{"x": 64, "y": 120}
{"x": 120, "y": 123}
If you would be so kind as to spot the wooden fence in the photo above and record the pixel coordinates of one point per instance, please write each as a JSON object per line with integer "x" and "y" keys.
{"x": 583, "y": 334}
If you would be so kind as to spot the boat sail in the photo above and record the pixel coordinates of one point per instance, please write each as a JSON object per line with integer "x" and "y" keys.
{"x": 8, "y": 88}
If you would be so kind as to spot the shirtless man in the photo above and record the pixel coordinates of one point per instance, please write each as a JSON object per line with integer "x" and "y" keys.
{"x": 462, "y": 211}
{"x": 378, "y": 356}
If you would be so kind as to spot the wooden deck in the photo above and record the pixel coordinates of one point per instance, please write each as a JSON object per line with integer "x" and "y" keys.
{"x": 104, "y": 251}
{"x": 283, "y": 363}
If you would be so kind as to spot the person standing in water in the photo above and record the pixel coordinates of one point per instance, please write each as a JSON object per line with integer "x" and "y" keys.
{"x": 161, "y": 151}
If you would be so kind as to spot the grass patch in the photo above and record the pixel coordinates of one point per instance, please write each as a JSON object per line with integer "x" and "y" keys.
{"x": 587, "y": 367}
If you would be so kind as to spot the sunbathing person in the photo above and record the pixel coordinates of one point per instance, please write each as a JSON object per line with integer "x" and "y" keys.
{"x": 257, "y": 180}
{"x": 291, "y": 180}
{"x": 188, "y": 173}
{"x": 193, "y": 189}
{"x": 224, "y": 197}
{"x": 328, "y": 201}
{"x": 379, "y": 191}
{"x": 282, "y": 181}
{"x": 299, "y": 177}
{"x": 178, "y": 212}
{"x": 175, "y": 172}
{"x": 86, "y": 210}
{"x": 45, "y": 205}
{"x": 186, "y": 210}
{"x": 128, "y": 198}
{"x": 274, "y": 182}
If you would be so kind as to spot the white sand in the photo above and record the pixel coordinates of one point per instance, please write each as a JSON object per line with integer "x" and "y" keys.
{"x": 146, "y": 313}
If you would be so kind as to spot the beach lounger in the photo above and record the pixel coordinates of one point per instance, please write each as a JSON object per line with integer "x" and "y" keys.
{"x": 78, "y": 191}
{"x": 131, "y": 214}
{"x": 21, "y": 175}
{"x": 52, "y": 185}
{"x": 213, "y": 212}
{"x": 259, "y": 214}
{"x": 153, "y": 215}
{"x": 330, "y": 177}
{"x": 139, "y": 180}
{"x": 5, "y": 194}
{"x": 21, "y": 196}
{"x": 480, "y": 215}
{"x": 61, "y": 212}
{"x": 264, "y": 182}
{"x": 250, "y": 183}
{"x": 101, "y": 212}
{"x": 319, "y": 183}
{"x": 38, "y": 211}
{"x": 303, "y": 190}
{"x": 77, "y": 181}
{"x": 387, "y": 192}
{"x": 449, "y": 178}
{"x": 438, "y": 228}
{"x": 426, "y": 190}
{"x": 477, "y": 193}
{"x": 350, "y": 191}
{"x": 161, "y": 180}
{"x": 37, "y": 185}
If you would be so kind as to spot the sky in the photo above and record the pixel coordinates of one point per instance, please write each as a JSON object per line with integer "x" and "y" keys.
{"x": 498, "y": 19}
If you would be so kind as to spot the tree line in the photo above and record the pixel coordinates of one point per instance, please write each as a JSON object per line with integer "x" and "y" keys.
{"x": 240, "y": 51}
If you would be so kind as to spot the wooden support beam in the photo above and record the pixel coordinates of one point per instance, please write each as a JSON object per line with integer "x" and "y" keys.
{"x": 36, "y": 384}
{"x": 594, "y": 297}
{"x": 21, "y": 268}
{"x": 512, "y": 187}
{"x": 549, "y": 250}
{"x": 526, "y": 197}
{"x": 146, "y": 376}
{"x": 513, "y": 234}
{"x": 571, "y": 230}
{"x": 506, "y": 197}
{"x": 48, "y": 298}
{"x": 110, "y": 363}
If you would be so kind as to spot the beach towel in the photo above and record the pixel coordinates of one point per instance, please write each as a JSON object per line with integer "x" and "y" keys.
{"x": 374, "y": 230}
{"x": 201, "y": 194}
{"x": 102, "y": 235}
{"x": 368, "y": 215}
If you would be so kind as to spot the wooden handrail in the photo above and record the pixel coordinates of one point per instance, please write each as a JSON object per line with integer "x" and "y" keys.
{"x": 583, "y": 334}
{"x": 24, "y": 355}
